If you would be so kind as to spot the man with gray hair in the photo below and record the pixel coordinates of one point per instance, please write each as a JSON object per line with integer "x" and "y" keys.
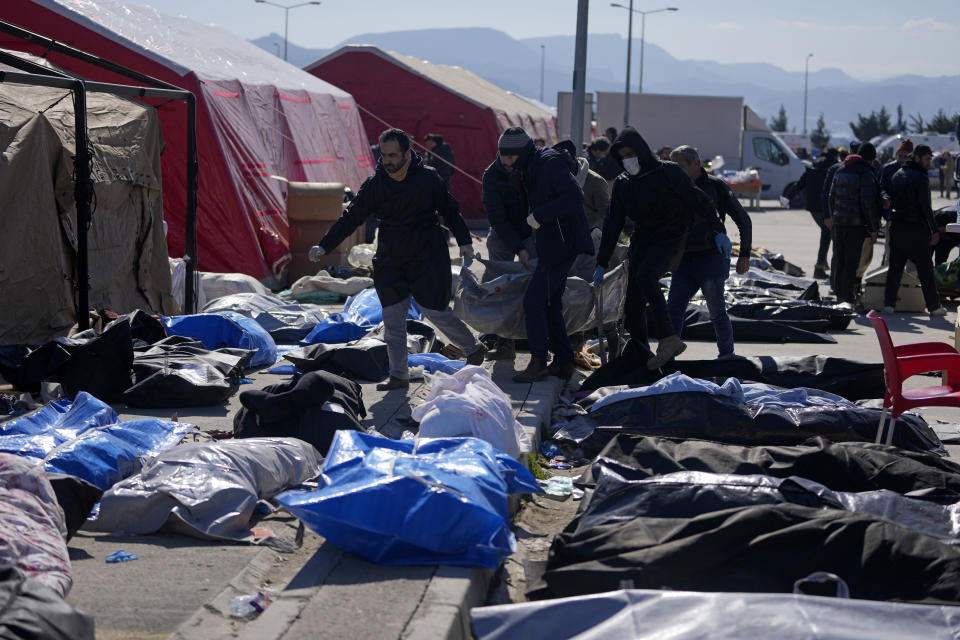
{"x": 706, "y": 259}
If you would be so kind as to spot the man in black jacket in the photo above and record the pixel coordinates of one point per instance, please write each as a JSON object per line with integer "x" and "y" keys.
{"x": 561, "y": 233}
{"x": 811, "y": 182}
{"x": 505, "y": 203}
{"x": 855, "y": 209}
{"x": 706, "y": 259}
{"x": 439, "y": 156}
{"x": 412, "y": 259}
{"x": 912, "y": 230}
{"x": 663, "y": 202}
{"x": 600, "y": 159}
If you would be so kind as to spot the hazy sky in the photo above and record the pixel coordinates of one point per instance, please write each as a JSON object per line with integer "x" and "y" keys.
{"x": 868, "y": 39}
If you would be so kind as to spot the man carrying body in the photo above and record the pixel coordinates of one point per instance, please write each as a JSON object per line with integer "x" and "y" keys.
{"x": 412, "y": 258}
{"x": 912, "y": 231}
{"x": 663, "y": 202}
{"x": 855, "y": 208}
{"x": 706, "y": 260}
{"x": 560, "y": 230}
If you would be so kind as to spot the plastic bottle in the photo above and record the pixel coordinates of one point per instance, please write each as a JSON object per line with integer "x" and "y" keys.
{"x": 249, "y": 606}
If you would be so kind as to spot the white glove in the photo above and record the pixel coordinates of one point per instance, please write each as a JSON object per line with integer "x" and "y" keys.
{"x": 315, "y": 252}
{"x": 784, "y": 202}
{"x": 466, "y": 251}
{"x": 532, "y": 222}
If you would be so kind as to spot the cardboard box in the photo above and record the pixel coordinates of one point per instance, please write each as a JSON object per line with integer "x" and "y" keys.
{"x": 312, "y": 201}
{"x": 909, "y": 297}
{"x": 304, "y": 235}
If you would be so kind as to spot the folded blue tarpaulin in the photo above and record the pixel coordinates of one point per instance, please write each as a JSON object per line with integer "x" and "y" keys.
{"x": 360, "y": 314}
{"x": 226, "y": 329}
{"x": 85, "y": 439}
{"x": 434, "y": 362}
{"x": 429, "y": 501}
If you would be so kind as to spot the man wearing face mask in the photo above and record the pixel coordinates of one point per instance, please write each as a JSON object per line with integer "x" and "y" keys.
{"x": 663, "y": 203}
{"x": 412, "y": 260}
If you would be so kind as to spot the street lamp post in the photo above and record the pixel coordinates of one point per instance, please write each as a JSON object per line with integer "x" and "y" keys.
{"x": 643, "y": 28}
{"x": 286, "y": 17}
{"x": 543, "y": 57}
{"x": 806, "y": 73}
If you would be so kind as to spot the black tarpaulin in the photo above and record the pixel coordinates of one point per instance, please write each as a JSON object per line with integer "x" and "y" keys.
{"x": 363, "y": 359}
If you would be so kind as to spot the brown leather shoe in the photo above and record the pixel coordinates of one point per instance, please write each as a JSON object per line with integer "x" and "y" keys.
{"x": 393, "y": 383}
{"x": 476, "y": 358}
{"x": 536, "y": 370}
{"x": 506, "y": 350}
{"x": 562, "y": 371}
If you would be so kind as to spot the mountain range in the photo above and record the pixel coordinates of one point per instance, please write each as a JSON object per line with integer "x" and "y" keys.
{"x": 514, "y": 64}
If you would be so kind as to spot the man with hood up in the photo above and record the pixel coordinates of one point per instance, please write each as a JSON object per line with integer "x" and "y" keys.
{"x": 663, "y": 203}
{"x": 412, "y": 260}
{"x": 560, "y": 233}
{"x": 439, "y": 156}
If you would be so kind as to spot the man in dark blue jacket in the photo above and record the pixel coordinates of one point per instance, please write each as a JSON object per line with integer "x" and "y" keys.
{"x": 811, "y": 183}
{"x": 412, "y": 260}
{"x": 913, "y": 231}
{"x": 663, "y": 202}
{"x": 706, "y": 259}
{"x": 560, "y": 232}
{"x": 855, "y": 206}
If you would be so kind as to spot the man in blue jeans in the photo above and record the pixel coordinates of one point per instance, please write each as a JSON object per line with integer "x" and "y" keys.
{"x": 706, "y": 259}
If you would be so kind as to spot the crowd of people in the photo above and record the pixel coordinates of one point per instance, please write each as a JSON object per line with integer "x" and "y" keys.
{"x": 545, "y": 205}
{"x": 853, "y": 196}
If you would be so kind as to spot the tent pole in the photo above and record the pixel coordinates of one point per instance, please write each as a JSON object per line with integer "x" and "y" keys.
{"x": 190, "y": 250}
{"x": 81, "y": 193}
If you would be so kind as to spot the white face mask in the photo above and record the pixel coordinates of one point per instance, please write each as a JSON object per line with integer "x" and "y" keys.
{"x": 632, "y": 165}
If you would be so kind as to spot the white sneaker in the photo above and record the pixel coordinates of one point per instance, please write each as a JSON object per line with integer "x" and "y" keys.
{"x": 939, "y": 311}
{"x": 888, "y": 310}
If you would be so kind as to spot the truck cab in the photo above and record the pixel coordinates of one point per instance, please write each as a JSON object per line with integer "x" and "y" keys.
{"x": 777, "y": 165}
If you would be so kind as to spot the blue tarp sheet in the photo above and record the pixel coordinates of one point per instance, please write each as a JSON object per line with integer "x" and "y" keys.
{"x": 360, "y": 314}
{"x": 432, "y": 501}
{"x": 85, "y": 439}
{"x": 434, "y": 362}
{"x": 226, "y": 329}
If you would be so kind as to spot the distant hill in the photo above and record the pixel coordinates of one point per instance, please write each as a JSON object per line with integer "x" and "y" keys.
{"x": 515, "y": 65}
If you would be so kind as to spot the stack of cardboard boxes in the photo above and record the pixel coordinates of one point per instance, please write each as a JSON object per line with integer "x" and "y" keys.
{"x": 312, "y": 208}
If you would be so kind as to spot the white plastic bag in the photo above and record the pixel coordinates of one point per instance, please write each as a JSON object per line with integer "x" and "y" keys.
{"x": 469, "y": 403}
{"x": 361, "y": 255}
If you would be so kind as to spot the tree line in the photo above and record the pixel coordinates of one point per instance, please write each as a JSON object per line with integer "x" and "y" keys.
{"x": 877, "y": 123}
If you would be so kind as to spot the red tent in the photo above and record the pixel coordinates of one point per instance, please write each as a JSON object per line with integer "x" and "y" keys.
{"x": 421, "y": 97}
{"x": 257, "y": 116}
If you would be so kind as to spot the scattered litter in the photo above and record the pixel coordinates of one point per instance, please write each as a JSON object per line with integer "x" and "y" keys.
{"x": 249, "y": 606}
{"x": 245, "y": 381}
{"x": 549, "y": 450}
{"x": 560, "y": 465}
{"x": 283, "y": 369}
{"x": 557, "y": 487}
{"x": 121, "y": 556}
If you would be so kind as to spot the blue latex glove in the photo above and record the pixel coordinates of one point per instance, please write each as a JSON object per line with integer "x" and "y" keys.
{"x": 724, "y": 246}
{"x": 598, "y": 276}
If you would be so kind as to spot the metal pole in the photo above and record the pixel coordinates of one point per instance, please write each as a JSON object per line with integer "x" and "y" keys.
{"x": 806, "y": 73}
{"x": 626, "y": 92}
{"x": 579, "y": 73}
{"x": 81, "y": 193}
{"x": 643, "y": 33}
{"x": 286, "y": 28}
{"x": 543, "y": 53}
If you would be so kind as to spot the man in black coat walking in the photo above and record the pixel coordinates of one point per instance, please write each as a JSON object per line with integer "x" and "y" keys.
{"x": 912, "y": 230}
{"x": 561, "y": 233}
{"x": 412, "y": 260}
{"x": 811, "y": 184}
{"x": 855, "y": 208}
{"x": 440, "y": 156}
{"x": 663, "y": 202}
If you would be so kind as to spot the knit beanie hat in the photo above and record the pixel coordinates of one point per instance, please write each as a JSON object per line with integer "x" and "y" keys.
{"x": 906, "y": 145}
{"x": 513, "y": 141}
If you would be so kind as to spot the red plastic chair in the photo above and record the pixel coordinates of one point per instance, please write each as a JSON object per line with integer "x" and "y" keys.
{"x": 899, "y": 363}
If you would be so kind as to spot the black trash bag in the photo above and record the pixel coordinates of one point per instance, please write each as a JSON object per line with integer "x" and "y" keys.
{"x": 707, "y": 416}
{"x": 849, "y": 379}
{"x": 780, "y": 263}
{"x": 687, "y": 494}
{"x": 143, "y": 326}
{"x": 774, "y": 281}
{"x": 179, "y": 372}
{"x": 76, "y": 497}
{"x": 421, "y": 337}
{"x": 761, "y": 548}
{"x": 697, "y": 326}
{"x": 363, "y": 359}
{"x": 790, "y": 311}
{"x": 841, "y": 466}
{"x": 296, "y": 409}
{"x": 30, "y": 610}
